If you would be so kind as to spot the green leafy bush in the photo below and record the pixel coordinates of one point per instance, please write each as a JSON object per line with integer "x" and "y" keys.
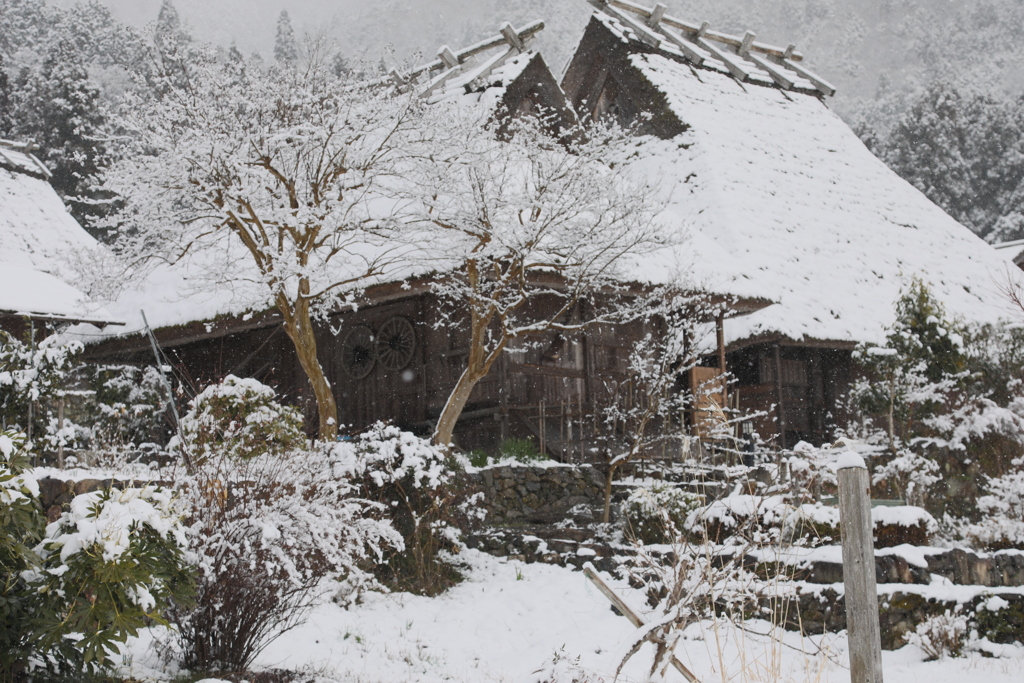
{"x": 521, "y": 450}
{"x": 71, "y": 591}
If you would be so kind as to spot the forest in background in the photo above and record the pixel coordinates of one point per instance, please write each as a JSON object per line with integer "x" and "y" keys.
{"x": 913, "y": 83}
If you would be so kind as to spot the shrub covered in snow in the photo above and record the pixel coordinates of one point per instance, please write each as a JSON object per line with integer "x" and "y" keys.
{"x": 269, "y": 525}
{"x": 1002, "y": 522}
{"x": 36, "y": 375}
{"x": 240, "y": 418}
{"x": 124, "y": 408}
{"x": 426, "y": 499}
{"x": 943, "y": 635}
{"x": 72, "y": 590}
{"x": 810, "y": 471}
{"x": 658, "y": 513}
{"x": 942, "y": 403}
{"x": 266, "y": 533}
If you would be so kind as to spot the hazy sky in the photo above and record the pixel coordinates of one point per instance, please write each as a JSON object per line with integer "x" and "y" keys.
{"x": 857, "y": 44}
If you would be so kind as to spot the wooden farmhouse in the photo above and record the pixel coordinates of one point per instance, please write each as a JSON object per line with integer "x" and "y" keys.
{"x": 781, "y": 201}
{"x": 37, "y": 238}
{"x": 778, "y": 200}
{"x": 398, "y": 356}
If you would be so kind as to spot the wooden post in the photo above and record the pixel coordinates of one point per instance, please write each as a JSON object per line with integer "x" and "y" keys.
{"x": 60, "y": 427}
{"x": 859, "y": 570}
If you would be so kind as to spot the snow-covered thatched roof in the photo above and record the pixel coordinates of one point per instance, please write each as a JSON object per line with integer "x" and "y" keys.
{"x": 37, "y": 238}
{"x": 1012, "y": 251}
{"x": 783, "y": 201}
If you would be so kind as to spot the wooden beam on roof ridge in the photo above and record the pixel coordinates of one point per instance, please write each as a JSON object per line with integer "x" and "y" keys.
{"x": 645, "y": 34}
{"x": 732, "y": 63}
{"x": 820, "y": 83}
{"x": 485, "y": 69}
{"x": 687, "y": 47}
{"x": 748, "y": 40}
{"x": 656, "y": 15}
{"x": 511, "y": 37}
{"x": 712, "y": 35}
{"x": 527, "y": 31}
{"x": 448, "y": 57}
{"x": 777, "y": 73}
{"x": 438, "y": 81}
{"x": 474, "y": 73}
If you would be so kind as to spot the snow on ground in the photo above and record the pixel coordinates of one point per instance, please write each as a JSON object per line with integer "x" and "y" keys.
{"x": 508, "y": 620}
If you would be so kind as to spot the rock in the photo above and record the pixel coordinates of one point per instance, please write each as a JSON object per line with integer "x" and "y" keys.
{"x": 86, "y": 486}
{"x": 53, "y": 513}
{"x": 54, "y": 491}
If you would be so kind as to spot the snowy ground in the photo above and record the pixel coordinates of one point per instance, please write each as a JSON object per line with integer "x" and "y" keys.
{"x": 509, "y": 619}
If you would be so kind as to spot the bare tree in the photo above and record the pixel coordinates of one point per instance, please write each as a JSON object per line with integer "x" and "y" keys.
{"x": 642, "y": 413}
{"x": 268, "y": 181}
{"x": 525, "y": 229}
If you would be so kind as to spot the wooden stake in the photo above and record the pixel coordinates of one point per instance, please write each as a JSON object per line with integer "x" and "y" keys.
{"x": 512, "y": 37}
{"x": 626, "y": 611}
{"x": 859, "y": 571}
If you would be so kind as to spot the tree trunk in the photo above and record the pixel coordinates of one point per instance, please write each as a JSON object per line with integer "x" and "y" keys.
{"x": 454, "y": 405}
{"x": 298, "y": 324}
{"x": 477, "y": 366}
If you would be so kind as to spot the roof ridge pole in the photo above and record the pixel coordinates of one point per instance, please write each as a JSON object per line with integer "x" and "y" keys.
{"x": 733, "y": 65}
{"x": 656, "y": 15}
{"x": 526, "y": 32}
{"x": 448, "y": 57}
{"x": 748, "y": 40}
{"x": 775, "y": 72}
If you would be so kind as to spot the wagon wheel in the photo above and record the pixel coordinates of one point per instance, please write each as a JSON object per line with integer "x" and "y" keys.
{"x": 357, "y": 356}
{"x": 396, "y": 342}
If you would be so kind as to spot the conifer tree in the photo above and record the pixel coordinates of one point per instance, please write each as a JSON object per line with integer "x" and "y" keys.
{"x": 286, "y": 50}
{"x": 62, "y": 113}
{"x": 169, "y": 36}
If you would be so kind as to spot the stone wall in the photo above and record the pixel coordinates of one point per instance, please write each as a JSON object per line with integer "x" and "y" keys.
{"x": 899, "y": 613}
{"x": 540, "y": 495}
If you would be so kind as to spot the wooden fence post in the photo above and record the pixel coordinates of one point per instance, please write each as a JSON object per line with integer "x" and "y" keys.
{"x": 859, "y": 570}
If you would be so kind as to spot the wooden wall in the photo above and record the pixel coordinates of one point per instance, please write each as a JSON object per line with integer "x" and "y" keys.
{"x": 798, "y": 391}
